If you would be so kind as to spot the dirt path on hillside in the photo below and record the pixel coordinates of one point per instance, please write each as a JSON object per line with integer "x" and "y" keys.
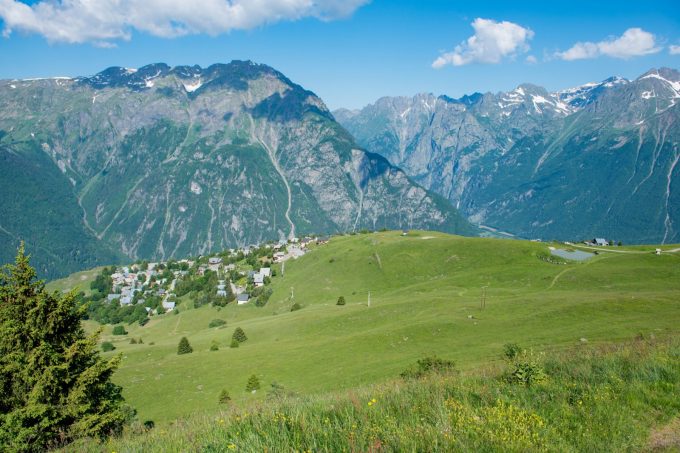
{"x": 557, "y": 277}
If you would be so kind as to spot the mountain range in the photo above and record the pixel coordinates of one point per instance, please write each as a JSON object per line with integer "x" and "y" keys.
{"x": 598, "y": 160}
{"x": 161, "y": 162}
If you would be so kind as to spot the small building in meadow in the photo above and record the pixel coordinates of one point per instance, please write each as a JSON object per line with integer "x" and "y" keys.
{"x": 242, "y": 298}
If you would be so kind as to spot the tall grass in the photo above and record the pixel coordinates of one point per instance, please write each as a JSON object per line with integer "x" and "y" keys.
{"x": 593, "y": 399}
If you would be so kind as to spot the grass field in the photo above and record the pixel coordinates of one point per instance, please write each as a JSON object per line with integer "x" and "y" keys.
{"x": 592, "y": 399}
{"x": 425, "y": 291}
{"x": 80, "y": 280}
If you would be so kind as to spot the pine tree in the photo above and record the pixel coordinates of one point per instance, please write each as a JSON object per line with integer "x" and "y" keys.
{"x": 253, "y": 384}
{"x": 184, "y": 347}
{"x": 341, "y": 300}
{"x": 54, "y": 385}
{"x": 224, "y": 397}
{"x": 239, "y": 335}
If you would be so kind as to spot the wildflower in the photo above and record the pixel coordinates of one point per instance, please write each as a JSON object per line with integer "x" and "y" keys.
{"x": 231, "y": 447}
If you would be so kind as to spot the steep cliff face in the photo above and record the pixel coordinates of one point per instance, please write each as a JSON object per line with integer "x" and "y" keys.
{"x": 164, "y": 162}
{"x": 600, "y": 159}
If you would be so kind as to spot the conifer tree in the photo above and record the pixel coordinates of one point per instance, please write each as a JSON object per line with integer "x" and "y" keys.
{"x": 239, "y": 335}
{"x": 253, "y": 384}
{"x": 184, "y": 347}
{"x": 54, "y": 386}
{"x": 224, "y": 397}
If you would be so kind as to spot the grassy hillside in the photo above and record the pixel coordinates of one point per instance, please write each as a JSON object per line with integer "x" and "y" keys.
{"x": 617, "y": 398}
{"x": 425, "y": 292}
{"x": 79, "y": 280}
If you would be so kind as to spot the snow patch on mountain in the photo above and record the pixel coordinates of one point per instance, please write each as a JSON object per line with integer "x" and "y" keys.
{"x": 191, "y": 87}
{"x": 674, "y": 85}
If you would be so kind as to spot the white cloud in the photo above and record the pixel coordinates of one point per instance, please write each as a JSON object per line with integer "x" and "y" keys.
{"x": 531, "y": 59}
{"x": 634, "y": 42}
{"x": 674, "y": 50}
{"x": 491, "y": 42}
{"x": 103, "y": 21}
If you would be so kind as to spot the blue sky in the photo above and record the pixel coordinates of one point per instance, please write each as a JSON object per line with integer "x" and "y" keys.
{"x": 351, "y": 52}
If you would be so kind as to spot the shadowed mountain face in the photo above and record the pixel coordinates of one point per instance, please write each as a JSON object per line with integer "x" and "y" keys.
{"x": 164, "y": 162}
{"x": 596, "y": 160}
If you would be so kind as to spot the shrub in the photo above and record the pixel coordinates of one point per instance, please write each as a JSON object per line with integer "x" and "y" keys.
{"x": 133, "y": 341}
{"x": 214, "y": 346}
{"x": 107, "y": 346}
{"x": 253, "y": 384}
{"x": 511, "y": 351}
{"x": 526, "y": 370}
{"x": 296, "y": 307}
{"x": 224, "y": 397}
{"x": 119, "y": 330}
{"x": 239, "y": 335}
{"x": 234, "y": 343}
{"x": 278, "y": 392}
{"x": 341, "y": 300}
{"x": 184, "y": 347}
{"x": 428, "y": 365}
{"x": 217, "y": 323}
{"x": 149, "y": 425}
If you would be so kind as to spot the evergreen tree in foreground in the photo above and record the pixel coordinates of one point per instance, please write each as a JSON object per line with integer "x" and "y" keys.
{"x": 184, "y": 347}
{"x": 54, "y": 386}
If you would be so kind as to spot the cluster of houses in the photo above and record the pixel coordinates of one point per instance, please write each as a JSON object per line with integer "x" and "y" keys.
{"x": 127, "y": 281}
{"x": 296, "y": 248}
{"x": 215, "y": 265}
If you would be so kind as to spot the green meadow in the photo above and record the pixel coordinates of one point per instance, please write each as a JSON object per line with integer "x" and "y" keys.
{"x": 592, "y": 398}
{"x": 79, "y": 280}
{"x": 458, "y": 298}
